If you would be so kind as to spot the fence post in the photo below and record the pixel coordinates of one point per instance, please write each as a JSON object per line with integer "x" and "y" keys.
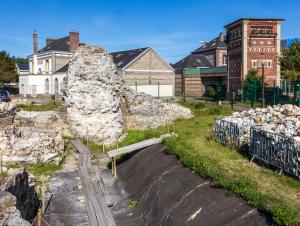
{"x": 252, "y": 94}
{"x": 298, "y": 93}
{"x": 231, "y": 99}
{"x": 183, "y": 85}
{"x": 135, "y": 83}
{"x": 274, "y": 94}
{"x": 158, "y": 90}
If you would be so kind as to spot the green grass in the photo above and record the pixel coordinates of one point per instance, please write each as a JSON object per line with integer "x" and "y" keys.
{"x": 133, "y": 136}
{"x": 43, "y": 173}
{"x": 46, "y": 169}
{"x": 132, "y": 204}
{"x": 228, "y": 168}
{"x": 50, "y": 106}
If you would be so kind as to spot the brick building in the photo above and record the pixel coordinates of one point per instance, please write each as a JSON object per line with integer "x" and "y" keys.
{"x": 251, "y": 42}
{"x": 205, "y": 66}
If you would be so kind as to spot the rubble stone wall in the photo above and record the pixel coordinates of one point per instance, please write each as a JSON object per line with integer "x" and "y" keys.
{"x": 100, "y": 105}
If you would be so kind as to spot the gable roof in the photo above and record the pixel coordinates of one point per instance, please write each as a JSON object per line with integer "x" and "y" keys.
{"x": 193, "y": 60}
{"x": 63, "y": 69}
{"x": 123, "y": 58}
{"x": 211, "y": 45}
{"x": 23, "y": 66}
{"x": 61, "y": 44}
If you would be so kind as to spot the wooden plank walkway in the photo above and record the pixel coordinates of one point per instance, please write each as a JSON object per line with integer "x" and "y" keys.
{"x": 137, "y": 146}
{"x": 97, "y": 208}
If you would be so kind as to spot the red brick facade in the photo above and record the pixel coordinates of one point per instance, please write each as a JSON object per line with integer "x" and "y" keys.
{"x": 252, "y": 42}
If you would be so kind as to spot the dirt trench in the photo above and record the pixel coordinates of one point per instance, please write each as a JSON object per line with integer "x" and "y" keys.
{"x": 169, "y": 194}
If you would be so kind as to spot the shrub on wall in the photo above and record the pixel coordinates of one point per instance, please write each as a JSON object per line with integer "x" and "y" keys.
{"x": 211, "y": 91}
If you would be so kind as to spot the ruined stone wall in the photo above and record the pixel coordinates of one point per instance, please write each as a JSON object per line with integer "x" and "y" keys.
{"x": 100, "y": 105}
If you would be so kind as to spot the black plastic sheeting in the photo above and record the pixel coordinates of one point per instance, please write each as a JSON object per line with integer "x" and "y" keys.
{"x": 170, "y": 194}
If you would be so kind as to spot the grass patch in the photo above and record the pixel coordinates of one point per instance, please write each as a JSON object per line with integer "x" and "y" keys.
{"x": 132, "y": 204}
{"x": 50, "y": 106}
{"x": 46, "y": 169}
{"x": 228, "y": 168}
{"x": 133, "y": 136}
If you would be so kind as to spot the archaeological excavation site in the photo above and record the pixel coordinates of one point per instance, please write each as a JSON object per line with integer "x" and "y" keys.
{"x": 104, "y": 154}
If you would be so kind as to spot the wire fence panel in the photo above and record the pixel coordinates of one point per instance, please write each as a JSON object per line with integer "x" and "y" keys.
{"x": 228, "y": 132}
{"x": 277, "y": 150}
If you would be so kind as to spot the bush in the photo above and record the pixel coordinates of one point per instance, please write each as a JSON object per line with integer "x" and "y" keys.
{"x": 211, "y": 91}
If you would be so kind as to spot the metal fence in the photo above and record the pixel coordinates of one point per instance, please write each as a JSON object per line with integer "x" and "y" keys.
{"x": 227, "y": 132}
{"x": 273, "y": 149}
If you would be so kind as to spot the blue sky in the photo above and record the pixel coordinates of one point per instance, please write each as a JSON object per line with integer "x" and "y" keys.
{"x": 173, "y": 28}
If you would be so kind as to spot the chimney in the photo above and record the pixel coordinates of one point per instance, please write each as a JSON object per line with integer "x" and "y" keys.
{"x": 35, "y": 42}
{"x": 74, "y": 40}
{"x": 49, "y": 41}
{"x": 221, "y": 37}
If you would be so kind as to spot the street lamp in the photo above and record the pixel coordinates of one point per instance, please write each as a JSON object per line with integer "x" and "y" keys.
{"x": 261, "y": 64}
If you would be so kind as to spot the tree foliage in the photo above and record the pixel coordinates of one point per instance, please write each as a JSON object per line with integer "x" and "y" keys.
{"x": 19, "y": 60}
{"x": 8, "y": 71}
{"x": 253, "y": 82}
{"x": 290, "y": 62}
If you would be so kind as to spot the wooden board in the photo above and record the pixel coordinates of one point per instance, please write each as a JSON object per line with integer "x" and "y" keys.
{"x": 137, "y": 146}
{"x": 94, "y": 193}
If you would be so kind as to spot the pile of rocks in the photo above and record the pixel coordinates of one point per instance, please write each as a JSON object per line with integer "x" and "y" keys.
{"x": 279, "y": 119}
{"x": 6, "y": 107}
{"x": 145, "y": 111}
{"x": 99, "y": 104}
{"x": 275, "y": 138}
{"x": 9, "y": 214}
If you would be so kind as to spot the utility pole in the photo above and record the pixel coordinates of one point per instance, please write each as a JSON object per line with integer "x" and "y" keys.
{"x": 263, "y": 84}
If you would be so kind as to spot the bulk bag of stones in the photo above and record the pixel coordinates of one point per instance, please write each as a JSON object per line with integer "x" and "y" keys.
{"x": 276, "y": 150}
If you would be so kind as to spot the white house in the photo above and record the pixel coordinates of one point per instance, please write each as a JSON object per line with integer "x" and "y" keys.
{"x": 45, "y": 77}
{"x": 143, "y": 69}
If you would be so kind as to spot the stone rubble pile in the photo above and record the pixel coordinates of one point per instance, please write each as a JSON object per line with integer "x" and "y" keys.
{"x": 6, "y": 107}
{"x": 9, "y": 214}
{"x": 275, "y": 136}
{"x": 145, "y": 111}
{"x": 99, "y": 104}
{"x": 279, "y": 119}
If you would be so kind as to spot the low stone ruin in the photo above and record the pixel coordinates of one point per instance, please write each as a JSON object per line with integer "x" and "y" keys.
{"x": 32, "y": 137}
{"x": 99, "y": 104}
{"x": 18, "y": 200}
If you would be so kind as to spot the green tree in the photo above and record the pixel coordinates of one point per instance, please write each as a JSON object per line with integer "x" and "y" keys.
{"x": 8, "y": 72}
{"x": 252, "y": 83}
{"x": 290, "y": 62}
{"x": 19, "y": 60}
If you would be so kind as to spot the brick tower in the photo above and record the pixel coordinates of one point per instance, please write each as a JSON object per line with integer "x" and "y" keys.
{"x": 252, "y": 42}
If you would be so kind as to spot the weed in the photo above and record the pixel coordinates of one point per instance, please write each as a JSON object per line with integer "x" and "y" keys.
{"x": 50, "y": 106}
